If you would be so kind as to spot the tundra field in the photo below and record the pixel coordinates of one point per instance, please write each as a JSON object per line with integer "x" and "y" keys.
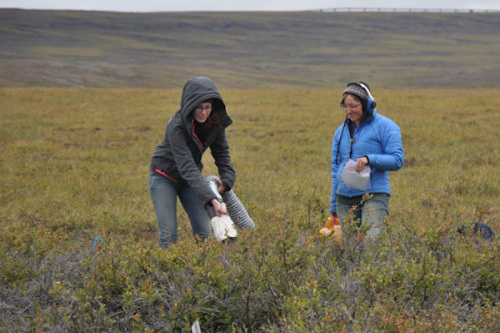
{"x": 74, "y": 165}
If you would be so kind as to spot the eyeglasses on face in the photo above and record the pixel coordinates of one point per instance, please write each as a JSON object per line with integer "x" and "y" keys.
{"x": 200, "y": 108}
{"x": 346, "y": 107}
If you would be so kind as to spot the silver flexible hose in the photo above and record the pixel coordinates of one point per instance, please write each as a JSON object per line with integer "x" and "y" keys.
{"x": 235, "y": 208}
{"x": 214, "y": 186}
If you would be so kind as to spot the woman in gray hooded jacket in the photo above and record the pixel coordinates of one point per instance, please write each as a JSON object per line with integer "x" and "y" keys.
{"x": 176, "y": 167}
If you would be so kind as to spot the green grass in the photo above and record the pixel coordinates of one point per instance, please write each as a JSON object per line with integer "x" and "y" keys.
{"x": 75, "y": 163}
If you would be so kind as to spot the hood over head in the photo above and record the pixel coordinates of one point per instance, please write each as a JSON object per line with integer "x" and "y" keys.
{"x": 197, "y": 90}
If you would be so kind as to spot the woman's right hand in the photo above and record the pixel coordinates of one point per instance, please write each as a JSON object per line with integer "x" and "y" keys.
{"x": 333, "y": 215}
{"x": 219, "y": 208}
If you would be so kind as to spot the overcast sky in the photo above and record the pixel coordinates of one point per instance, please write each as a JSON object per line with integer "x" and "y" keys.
{"x": 232, "y": 5}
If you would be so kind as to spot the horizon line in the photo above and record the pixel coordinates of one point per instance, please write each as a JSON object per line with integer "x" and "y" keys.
{"x": 335, "y": 9}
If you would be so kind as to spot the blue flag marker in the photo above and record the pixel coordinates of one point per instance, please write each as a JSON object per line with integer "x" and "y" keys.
{"x": 96, "y": 240}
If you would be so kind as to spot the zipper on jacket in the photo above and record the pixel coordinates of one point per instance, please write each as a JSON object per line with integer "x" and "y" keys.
{"x": 352, "y": 139}
{"x": 194, "y": 134}
{"x": 161, "y": 172}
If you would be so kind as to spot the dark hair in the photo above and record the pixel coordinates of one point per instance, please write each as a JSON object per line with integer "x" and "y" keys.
{"x": 214, "y": 121}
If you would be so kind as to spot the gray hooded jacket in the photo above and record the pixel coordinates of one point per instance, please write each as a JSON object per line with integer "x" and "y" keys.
{"x": 178, "y": 156}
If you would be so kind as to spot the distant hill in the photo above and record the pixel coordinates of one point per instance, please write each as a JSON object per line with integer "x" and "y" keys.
{"x": 249, "y": 49}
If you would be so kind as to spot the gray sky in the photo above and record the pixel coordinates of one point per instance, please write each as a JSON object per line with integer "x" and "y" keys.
{"x": 232, "y": 5}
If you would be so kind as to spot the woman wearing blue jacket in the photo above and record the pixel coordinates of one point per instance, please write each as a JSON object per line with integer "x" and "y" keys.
{"x": 372, "y": 142}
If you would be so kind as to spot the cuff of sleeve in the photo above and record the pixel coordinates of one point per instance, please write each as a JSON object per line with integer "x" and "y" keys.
{"x": 367, "y": 159}
{"x": 227, "y": 187}
{"x": 209, "y": 202}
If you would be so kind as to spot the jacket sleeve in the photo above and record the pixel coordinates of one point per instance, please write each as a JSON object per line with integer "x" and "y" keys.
{"x": 186, "y": 165}
{"x": 393, "y": 156}
{"x": 220, "y": 153}
{"x": 335, "y": 166}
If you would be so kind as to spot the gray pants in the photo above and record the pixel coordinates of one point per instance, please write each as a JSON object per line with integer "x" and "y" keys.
{"x": 371, "y": 213}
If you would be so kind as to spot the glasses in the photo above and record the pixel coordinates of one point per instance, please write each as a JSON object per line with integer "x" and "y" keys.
{"x": 200, "y": 108}
{"x": 351, "y": 107}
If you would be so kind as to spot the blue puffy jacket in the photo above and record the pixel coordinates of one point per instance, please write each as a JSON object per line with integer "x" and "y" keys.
{"x": 378, "y": 138}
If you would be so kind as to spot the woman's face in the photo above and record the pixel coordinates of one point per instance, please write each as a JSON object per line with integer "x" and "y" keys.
{"x": 354, "y": 109}
{"x": 202, "y": 111}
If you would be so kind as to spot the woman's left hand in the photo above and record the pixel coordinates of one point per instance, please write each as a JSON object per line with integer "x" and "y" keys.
{"x": 222, "y": 188}
{"x": 360, "y": 164}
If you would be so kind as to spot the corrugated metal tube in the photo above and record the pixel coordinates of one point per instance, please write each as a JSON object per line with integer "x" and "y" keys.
{"x": 235, "y": 208}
